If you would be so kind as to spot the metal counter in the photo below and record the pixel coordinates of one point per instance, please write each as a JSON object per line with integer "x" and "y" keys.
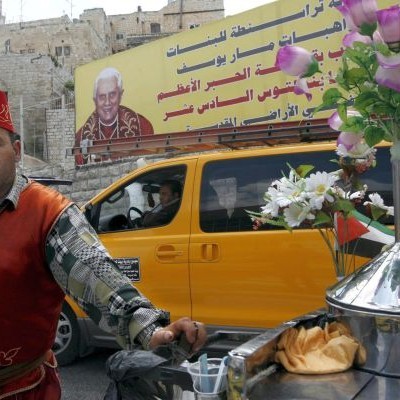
{"x": 349, "y": 385}
{"x": 253, "y": 374}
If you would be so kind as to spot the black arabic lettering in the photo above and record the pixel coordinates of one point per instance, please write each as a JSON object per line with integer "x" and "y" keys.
{"x": 209, "y": 42}
{"x": 268, "y": 47}
{"x": 334, "y": 4}
{"x": 318, "y": 9}
{"x": 240, "y": 31}
{"x": 337, "y": 27}
{"x": 186, "y": 69}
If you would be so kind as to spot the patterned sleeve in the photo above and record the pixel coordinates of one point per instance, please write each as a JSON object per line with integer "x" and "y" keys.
{"x": 85, "y": 271}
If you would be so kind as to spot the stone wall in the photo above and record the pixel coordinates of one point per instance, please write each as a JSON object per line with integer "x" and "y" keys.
{"x": 36, "y": 80}
{"x": 68, "y": 43}
{"x": 87, "y": 181}
{"x": 60, "y": 135}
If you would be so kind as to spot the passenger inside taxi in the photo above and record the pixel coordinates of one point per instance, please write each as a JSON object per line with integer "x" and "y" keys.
{"x": 220, "y": 210}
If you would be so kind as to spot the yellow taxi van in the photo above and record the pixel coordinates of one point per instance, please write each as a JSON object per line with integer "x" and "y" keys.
{"x": 207, "y": 262}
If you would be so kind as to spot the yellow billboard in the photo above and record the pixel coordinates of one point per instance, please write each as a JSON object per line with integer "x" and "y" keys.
{"x": 219, "y": 75}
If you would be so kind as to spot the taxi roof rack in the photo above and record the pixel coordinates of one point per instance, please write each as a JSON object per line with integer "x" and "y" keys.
{"x": 212, "y": 139}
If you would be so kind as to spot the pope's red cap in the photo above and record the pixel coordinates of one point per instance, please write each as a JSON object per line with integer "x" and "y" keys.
{"x": 5, "y": 116}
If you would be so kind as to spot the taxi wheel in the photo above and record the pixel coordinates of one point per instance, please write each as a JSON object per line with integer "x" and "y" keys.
{"x": 66, "y": 344}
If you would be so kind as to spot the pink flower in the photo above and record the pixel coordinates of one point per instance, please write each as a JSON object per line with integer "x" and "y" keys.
{"x": 358, "y": 12}
{"x": 388, "y": 77}
{"x": 389, "y": 24}
{"x": 301, "y": 87}
{"x": 335, "y": 122}
{"x": 349, "y": 140}
{"x": 354, "y": 36}
{"x": 388, "y": 72}
{"x": 296, "y": 61}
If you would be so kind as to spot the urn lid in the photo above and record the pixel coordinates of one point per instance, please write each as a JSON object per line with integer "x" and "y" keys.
{"x": 372, "y": 289}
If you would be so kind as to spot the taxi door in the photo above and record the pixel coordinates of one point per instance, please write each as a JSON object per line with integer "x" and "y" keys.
{"x": 154, "y": 258}
{"x": 246, "y": 278}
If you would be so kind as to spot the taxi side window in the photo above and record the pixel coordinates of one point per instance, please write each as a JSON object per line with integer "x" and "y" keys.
{"x": 231, "y": 187}
{"x": 151, "y": 200}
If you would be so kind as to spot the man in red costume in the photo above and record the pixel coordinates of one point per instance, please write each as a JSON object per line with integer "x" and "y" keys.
{"x": 110, "y": 120}
{"x": 49, "y": 249}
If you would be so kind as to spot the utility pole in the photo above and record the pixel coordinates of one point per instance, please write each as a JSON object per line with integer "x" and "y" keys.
{"x": 71, "y": 5}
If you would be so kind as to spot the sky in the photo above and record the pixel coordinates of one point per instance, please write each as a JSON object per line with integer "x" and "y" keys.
{"x": 27, "y": 10}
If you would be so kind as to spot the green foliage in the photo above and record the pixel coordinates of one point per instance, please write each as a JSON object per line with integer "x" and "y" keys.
{"x": 70, "y": 85}
{"x": 304, "y": 170}
{"x": 378, "y": 106}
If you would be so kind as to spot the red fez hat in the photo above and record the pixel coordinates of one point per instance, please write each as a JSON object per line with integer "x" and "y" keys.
{"x": 5, "y": 116}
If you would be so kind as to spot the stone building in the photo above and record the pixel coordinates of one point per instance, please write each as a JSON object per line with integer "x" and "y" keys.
{"x": 130, "y": 30}
{"x": 95, "y": 35}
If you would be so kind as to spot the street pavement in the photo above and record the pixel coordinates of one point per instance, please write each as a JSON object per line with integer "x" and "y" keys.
{"x": 86, "y": 378}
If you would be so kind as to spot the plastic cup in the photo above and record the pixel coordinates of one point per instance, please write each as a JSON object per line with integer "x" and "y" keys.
{"x": 213, "y": 384}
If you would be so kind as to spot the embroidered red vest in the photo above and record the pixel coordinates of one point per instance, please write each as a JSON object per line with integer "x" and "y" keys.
{"x": 30, "y": 299}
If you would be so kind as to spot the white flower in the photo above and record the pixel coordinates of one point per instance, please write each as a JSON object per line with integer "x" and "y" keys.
{"x": 290, "y": 190}
{"x": 271, "y": 207}
{"x": 319, "y": 188}
{"x": 296, "y": 213}
{"x": 377, "y": 201}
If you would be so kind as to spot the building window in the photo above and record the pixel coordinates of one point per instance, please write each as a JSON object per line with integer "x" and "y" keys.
{"x": 63, "y": 51}
{"x": 155, "y": 28}
{"x": 119, "y": 36}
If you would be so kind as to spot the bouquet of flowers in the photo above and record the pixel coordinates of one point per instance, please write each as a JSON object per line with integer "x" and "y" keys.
{"x": 318, "y": 200}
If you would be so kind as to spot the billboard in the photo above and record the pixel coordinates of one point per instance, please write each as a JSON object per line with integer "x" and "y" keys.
{"x": 221, "y": 74}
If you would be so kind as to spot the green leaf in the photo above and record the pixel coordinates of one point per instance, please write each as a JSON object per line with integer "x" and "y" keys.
{"x": 304, "y": 169}
{"x": 377, "y": 212}
{"x": 278, "y": 222}
{"x": 381, "y": 108}
{"x": 365, "y": 99}
{"x": 385, "y": 92}
{"x": 313, "y": 68}
{"x": 383, "y": 49}
{"x": 395, "y": 96}
{"x": 343, "y": 205}
{"x": 353, "y": 124}
{"x": 322, "y": 218}
{"x": 373, "y": 135}
{"x": 331, "y": 97}
{"x": 357, "y": 56}
{"x": 342, "y": 111}
{"x": 355, "y": 76}
{"x": 368, "y": 29}
{"x": 340, "y": 75}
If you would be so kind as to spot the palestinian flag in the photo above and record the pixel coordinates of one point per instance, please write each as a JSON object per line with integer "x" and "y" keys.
{"x": 362, "y": 236}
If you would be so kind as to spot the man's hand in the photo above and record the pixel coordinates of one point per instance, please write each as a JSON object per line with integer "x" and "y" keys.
{"x": 194, "y": 331}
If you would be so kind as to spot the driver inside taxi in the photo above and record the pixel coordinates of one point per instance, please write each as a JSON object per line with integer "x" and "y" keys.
{"x": 170, "y": 194}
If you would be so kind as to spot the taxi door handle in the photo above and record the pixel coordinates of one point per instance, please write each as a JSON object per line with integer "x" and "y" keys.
{"x": 171, "y": 253}
{"x": 209, "y": 252}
